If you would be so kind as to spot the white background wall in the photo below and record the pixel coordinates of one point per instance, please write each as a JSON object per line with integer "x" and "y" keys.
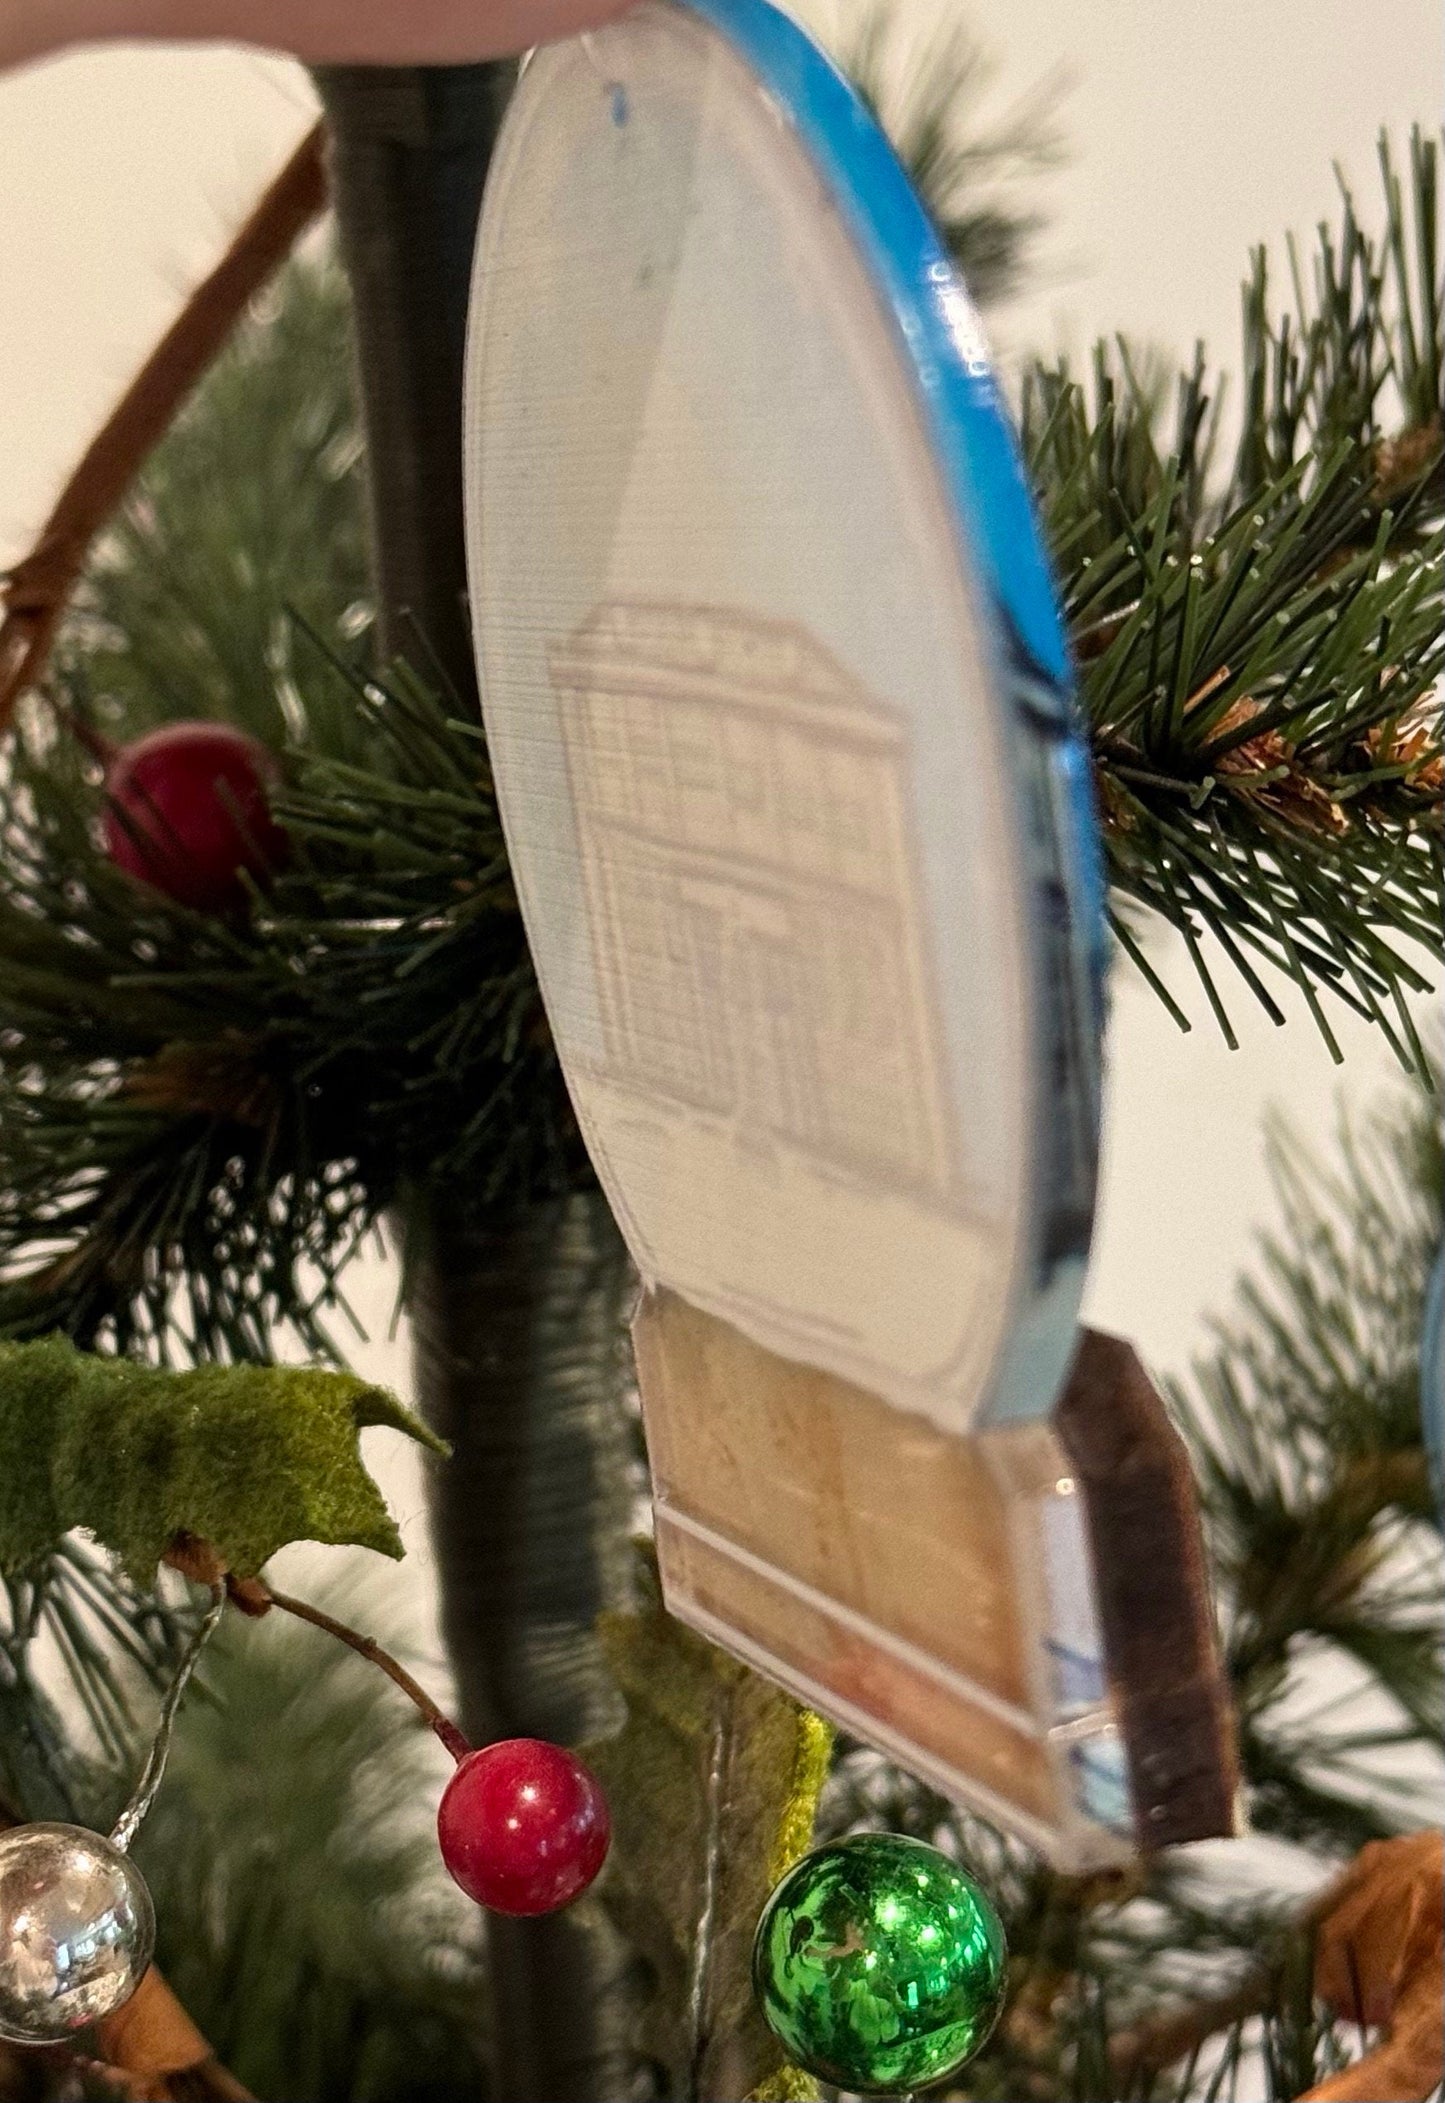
{"x": 1193, "y": 132}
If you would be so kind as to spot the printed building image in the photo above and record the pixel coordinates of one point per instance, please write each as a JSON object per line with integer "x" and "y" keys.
{"x": 742, "y": 811}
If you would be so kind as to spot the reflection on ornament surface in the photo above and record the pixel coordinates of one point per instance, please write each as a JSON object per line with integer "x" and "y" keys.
{"x": 879, "y": 1964}
{"x": 77, "y": 1930}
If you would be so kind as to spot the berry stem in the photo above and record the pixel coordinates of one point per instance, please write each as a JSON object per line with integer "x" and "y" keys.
{"x": 368, "y": 1648}
{"x": 128, "y": 1824}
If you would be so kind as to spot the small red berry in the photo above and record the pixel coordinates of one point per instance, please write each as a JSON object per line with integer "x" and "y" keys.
{"x": 188, "y": 811}
{"x": 523, "y": 1826}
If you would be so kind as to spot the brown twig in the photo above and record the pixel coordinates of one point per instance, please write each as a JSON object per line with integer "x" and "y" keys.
{"x": 36, "y": 591}
{"x": 259, "y": 1595}
{"x": 1162, "y": 2041}
{"x": 1390, "y": 1894}
{"x": 198, "y": 1561}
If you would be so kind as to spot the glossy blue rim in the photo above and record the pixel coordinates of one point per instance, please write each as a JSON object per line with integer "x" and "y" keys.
{"x": 920, "y": 284}
{"x": 984, "y": 478}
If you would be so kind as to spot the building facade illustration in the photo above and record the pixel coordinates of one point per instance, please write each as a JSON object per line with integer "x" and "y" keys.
{"x": 742, "y": 811}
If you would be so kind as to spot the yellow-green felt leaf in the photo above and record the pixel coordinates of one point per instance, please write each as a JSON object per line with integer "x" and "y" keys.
{"x": 789, "y": 2085}
{"x": 713, "y": 1782}
{"x": 247, "y": 1457}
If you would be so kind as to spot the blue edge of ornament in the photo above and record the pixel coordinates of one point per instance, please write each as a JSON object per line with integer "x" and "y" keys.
{"x": 984, "y": 479}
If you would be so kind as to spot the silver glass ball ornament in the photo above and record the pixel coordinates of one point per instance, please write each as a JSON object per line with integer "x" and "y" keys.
{"x": 77, "y": 1930}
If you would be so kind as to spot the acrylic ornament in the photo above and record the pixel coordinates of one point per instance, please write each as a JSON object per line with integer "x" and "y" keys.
{"x": 880, "y": 1964}
{"x": 797, "y": 805}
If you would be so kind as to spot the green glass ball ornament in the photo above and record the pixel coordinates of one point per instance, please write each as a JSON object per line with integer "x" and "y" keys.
{"x": 879, "y": 1964}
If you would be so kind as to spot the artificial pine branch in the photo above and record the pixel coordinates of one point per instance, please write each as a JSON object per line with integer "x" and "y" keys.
{"x": 244, "y": 529}
{"x": 1258, "y": 650}
{"x": 111, "y": 1637}
{"x": 1306, "y": 1431}
{"x": 35, "y": 592}
{"x": 208, "y": 1116}
{"x": 927, "y": 98}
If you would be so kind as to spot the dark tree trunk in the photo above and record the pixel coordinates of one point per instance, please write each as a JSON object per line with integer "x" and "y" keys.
{"x": 409, "y": 156}
{"x": 519, "y": 1354}
{"x": 530, "y": 1311}
{"x": 521, "y": 1365}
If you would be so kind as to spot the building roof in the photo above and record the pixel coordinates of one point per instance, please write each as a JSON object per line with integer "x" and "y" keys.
{"x": 731, "y": 659}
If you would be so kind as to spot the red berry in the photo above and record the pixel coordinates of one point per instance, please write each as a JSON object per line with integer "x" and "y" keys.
{"x": 523, "y": 1826}
{"x": 187, "y": 812}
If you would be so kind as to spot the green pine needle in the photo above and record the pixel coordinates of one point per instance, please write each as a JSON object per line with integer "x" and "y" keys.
{"x": 1305, "y": 1423}
{"x": 969, "y": 170}
{"x": 1259, "y": 649}
{"x": 109, "y": 1638}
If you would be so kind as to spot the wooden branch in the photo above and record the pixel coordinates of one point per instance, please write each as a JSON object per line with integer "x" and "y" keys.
{"x": 35, "y": 593}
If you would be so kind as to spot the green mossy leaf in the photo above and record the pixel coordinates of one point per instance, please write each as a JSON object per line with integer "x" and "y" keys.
{"x": 247, "y": 1457}
{"x": 713, "y": 1782}
{"x": 789, "y": 2085}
